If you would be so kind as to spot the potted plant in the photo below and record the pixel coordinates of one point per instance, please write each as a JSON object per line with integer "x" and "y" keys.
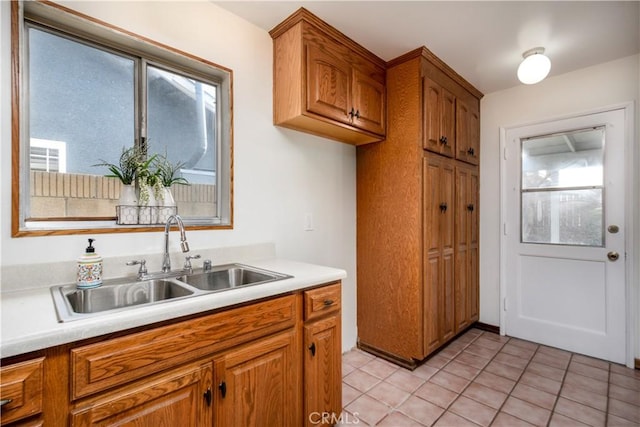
{"x": 168, "y": 175}
{"x": 126, "y": 171}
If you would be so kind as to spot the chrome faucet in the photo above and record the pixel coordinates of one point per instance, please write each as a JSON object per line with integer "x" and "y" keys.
{"x": 184, "y": 245}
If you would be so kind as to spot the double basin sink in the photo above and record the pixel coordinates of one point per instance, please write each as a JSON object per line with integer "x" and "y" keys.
{"x": 122, "y": 294}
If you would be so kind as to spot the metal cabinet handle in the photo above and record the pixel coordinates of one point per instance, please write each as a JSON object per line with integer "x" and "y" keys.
{"x": 444, "y": 140}
{"x": 312, "y": 347}
{"x": 5, "y": 401}
{"x": 357, "y": 115}
{"x": 328, "y": 302}
{"x": 470, "y": 207}
{"x": 471, "y": 151}
{"x": 443, "y": 207}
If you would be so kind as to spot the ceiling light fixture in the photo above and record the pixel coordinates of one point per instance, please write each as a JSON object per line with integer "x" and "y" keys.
{"x": 535, "y": 66}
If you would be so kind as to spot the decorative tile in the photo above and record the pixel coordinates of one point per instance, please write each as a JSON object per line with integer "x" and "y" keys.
{"x": 481, "y": 351}
{"x": 521, "y": 352}
{"x": 405, "y": 380}
{"x": 396, "y": 419}
{"x": 436, "y": 394}
{"x": 584, "y": 396}
{"x": 624, "y": 394}
{"x": 357, "y": 358}
{"x": 449, "y": 419}
{"x": 379, "y": 368}
{"x": 503, "y": 370}
{"x": 541, "y": 383}
{"x": 473, "y": 411}
{"x": 388, "y": 394}
{"x": 360, "y": 380}
{"x": 421, "y": 410}
{"x": 550, "y": 372}
{"x": 368, "y": 409}
{"x": 462, "y": 370}
{"x": 589, "y": 371}
{"x": 585, "y": 360}
{"x": 625, "y": 381}
{"x": 558, "y": 420}
{"x": 550, "y": 360}
{"x": 533, "y": 395}
{"x": 506, "y": 420}
{"x": 495, "y": 382}
{"x": 349, "y": 394}
{"x": 485, "y": 395}
{"x": 590, "y": 384}
{"x": 527, "y": 411}
{"x": 580, "y": 412}
{"x": 472, "y": 360}
{"x": 449, "y": 381}
{"x": 624, "y": 410}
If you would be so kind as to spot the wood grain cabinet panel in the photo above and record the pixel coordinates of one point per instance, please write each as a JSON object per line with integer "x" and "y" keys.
{"x": 175, "y": 399}
{"x": 326, "y": 84}
{"x": 97, "y": 367}
{"x": 21, "y": 390}
{"x": 258, "y": 384}
{"x": 416, "y": 240}
{"x": 322, "y": 355}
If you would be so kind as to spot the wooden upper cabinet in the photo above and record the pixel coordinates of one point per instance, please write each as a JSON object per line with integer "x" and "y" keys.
{"x": 439, "y": 119}
{"x": 326, "y": 84}
{"x": 468, "y": 132}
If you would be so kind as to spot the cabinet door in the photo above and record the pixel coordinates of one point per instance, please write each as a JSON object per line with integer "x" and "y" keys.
{"x": 328, "y": 84}
{"x": 439, "y": 114}
{"x": 322, "y": 370}
{"x": 439, "y": 305}
{"x": 22, "y": 390}
{"x": 369, "y": 102}
{"x": 462, "y": 249}
{"x": 259, "y": 384}
{"x": 182, "y": 398}
{"x": 467, "y": 133}
{"x": 473, "y": 210}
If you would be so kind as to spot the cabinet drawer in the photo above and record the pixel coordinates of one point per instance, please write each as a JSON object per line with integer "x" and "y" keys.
{"x": 320, "y": 301}
{"x": 21, "y": 384}
{"x": 99, "y": 366}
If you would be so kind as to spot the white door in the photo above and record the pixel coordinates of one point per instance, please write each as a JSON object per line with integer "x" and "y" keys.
{"x": 563, "y": 248}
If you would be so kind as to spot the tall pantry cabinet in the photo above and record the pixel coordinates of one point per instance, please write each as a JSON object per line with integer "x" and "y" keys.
{"x": 417, "y": 213}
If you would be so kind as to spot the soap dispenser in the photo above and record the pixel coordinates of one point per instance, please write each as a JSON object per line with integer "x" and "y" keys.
{"x": 89, "y": 268}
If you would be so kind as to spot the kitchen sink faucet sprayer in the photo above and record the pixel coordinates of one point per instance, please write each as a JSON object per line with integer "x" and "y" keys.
{"x": 184, "y": 245}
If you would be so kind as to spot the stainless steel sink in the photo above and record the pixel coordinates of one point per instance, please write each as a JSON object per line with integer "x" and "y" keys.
{"x": 71, "y": 301}
{"x": 122, "y": 294}
{"x": 230, "y": 276}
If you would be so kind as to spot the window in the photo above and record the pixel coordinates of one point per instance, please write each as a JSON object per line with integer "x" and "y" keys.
{"x": 102, "y": 91}
{"x": 562, "y": 188}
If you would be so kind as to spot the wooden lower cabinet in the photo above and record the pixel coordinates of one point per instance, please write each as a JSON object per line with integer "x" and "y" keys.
{"x": 322, "y": 364}
{"x": 242, "y": 366}
{"x": 179, "y": 398}
{"x": 257, "y": 385}
{"x": 21, "y": 391}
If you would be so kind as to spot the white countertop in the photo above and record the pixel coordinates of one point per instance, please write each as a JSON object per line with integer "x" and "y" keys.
{"x": 29, "y": 320}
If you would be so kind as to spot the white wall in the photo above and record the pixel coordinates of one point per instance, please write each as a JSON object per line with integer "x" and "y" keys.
{"x": 279, "y": 175}
{"x": 591, "y": 88}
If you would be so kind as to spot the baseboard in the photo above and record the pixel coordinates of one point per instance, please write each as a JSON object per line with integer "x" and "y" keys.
{"x": 486, "y": 327}
{"x": 409, "y": 364}
{"x": 637, "y": 363}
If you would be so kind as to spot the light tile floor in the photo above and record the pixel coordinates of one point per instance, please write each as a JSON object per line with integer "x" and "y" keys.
{"x": 484, "y": 379}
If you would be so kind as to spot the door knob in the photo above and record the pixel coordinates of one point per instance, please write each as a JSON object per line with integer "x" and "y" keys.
{"x": 613, "y": 229}
{"x": 613, "y": 256}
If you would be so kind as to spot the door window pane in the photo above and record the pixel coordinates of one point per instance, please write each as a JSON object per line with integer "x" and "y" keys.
{"x": 562, "y": 188}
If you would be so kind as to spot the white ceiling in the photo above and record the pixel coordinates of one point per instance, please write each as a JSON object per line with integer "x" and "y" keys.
{"x": 482, "y": 40}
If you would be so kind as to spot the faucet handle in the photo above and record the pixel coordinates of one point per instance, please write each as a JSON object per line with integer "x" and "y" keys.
{"x": 142, "y": 271}
{"x": 187, "y": 262}
{"x": 206, "y": 265}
